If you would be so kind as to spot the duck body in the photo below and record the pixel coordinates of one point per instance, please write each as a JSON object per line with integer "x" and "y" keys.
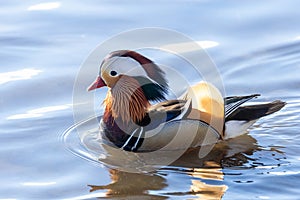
{"x": 200, "y": 117}
{"x": 167, "y": 127}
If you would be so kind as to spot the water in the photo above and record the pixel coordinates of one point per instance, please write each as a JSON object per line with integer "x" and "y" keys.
{"x": 42, "y": 48}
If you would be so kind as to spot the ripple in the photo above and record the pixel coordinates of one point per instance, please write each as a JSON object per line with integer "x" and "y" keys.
{"x": 83, "y": 139}
{"x": 73, "y": 143}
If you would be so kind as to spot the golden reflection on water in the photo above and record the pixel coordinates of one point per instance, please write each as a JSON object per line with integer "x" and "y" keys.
{"x": 208, "y": 191}
{"x": 213, "y": 173}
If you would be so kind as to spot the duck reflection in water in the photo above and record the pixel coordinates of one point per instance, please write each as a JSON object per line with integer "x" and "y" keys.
{"x": 202, "y": 172}
{"x": 125, "y": 184}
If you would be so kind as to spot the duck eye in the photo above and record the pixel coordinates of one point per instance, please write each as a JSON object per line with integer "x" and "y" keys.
{"x": 113, "y": 73}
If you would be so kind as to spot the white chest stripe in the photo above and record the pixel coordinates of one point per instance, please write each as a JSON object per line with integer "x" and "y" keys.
{"x": 131, "y": 136}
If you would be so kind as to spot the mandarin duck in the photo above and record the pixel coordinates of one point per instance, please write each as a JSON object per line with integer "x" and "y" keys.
{"x": 139, "y": 118}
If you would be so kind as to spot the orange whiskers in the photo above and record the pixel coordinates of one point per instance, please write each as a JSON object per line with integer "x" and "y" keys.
{"x": 126, "y": 100}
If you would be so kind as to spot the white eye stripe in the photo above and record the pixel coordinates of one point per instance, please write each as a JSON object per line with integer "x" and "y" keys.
{"x": 123, "y": 65}
{"x": 107, "y": 63}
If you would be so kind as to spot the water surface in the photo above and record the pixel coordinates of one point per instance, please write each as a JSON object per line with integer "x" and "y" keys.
{"x": 43, "y": 46}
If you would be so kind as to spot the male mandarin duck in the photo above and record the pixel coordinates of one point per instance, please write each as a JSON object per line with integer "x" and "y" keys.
{"x": 132, "y": 123}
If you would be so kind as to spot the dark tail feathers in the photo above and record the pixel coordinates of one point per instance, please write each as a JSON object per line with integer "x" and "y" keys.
{"x": 252, "y": 112}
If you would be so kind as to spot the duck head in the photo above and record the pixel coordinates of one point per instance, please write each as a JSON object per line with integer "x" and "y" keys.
{"x": 133, "y": 80}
